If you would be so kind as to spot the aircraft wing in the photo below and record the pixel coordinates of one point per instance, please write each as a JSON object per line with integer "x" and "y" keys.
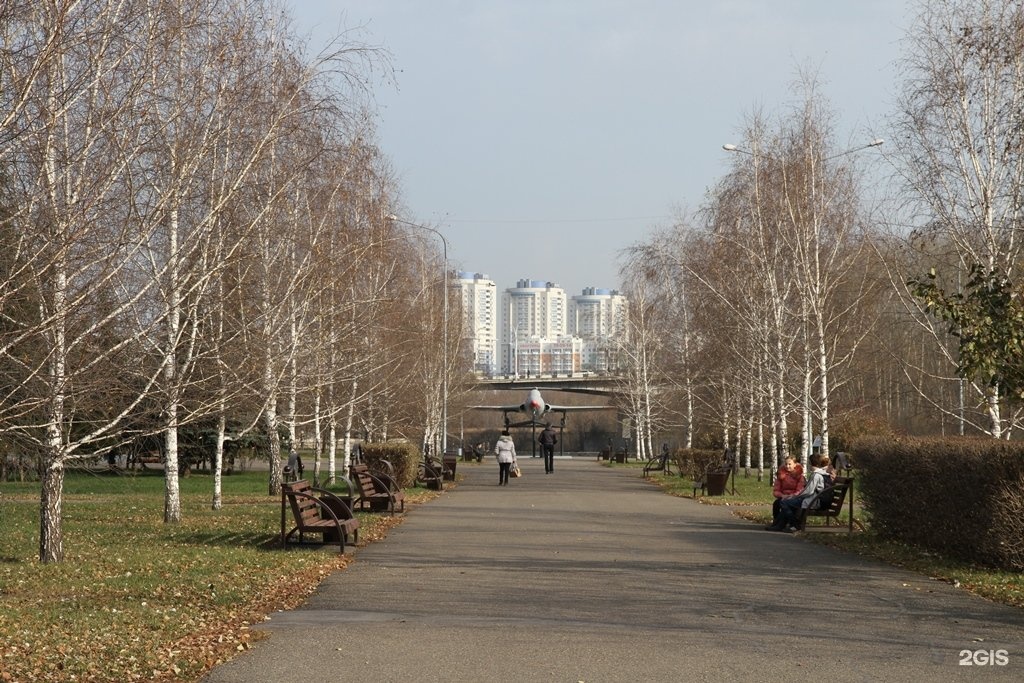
{"x": 575, "y": 408}
{"x": 504, "y": 409}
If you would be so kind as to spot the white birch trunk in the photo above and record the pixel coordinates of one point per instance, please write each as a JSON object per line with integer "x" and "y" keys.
{"x": 172, "y": 314}
{"x": 218, "y": 461}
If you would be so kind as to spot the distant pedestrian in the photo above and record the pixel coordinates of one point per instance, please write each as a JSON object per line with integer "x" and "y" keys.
{"x": 294, "y": 469}
{"x": 547, "y": 440}
{"x": 505, "y": 449}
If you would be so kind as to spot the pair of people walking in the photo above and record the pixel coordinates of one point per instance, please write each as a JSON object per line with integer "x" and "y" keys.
{"x": 505, "y": 449}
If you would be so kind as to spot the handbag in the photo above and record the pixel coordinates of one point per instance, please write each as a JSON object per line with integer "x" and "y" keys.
{"x": 514, "y": 471}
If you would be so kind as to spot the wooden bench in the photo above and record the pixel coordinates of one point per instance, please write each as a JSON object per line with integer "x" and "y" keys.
{"x": 448, "y": 464}
{"x": 317, "y": 511}
{"x": 661, "y": 463}
{"x": 376, "y": 491}
{"x": 476, "y": 452}
{"x": 141, "y": 461}
{"x": 841, "y": 491}
{"x": 431, "y": 474}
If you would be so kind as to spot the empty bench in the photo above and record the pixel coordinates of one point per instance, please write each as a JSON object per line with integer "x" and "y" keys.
{"x": 431, "y": 473}
{"x": 376, "y": 491}
{"x": 449, "y": 462}
{"x": 317, "y": 511}
{"x": 661, "y": 463}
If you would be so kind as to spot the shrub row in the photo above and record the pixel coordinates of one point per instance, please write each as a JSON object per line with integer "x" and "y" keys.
{"x": 960, "y": 497}
{"x": 403, "y": 456}
{"x": 694, "y": 462}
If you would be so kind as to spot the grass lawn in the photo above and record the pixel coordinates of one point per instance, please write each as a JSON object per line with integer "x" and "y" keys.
{"x": 752, "y": 501}
{"x": 136, "y": 599}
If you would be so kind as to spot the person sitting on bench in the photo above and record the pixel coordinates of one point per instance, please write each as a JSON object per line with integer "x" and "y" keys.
{"x": 789, "y": 481}
{"x": 791, "y": 506}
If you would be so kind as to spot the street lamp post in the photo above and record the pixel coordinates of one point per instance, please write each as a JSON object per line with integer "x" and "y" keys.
{"x": 444, "y": 331}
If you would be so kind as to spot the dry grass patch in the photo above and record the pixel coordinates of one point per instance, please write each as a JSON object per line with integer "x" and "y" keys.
{"x": 138, "y": 600}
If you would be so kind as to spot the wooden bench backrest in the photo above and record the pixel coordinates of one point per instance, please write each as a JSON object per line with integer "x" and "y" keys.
{"x": 304, "y": 508}
{"x": 449, "y": 461}
{"x": 364, "y": 480}
{"x": 432, "y": 467}
{"x": 839, "y": 487}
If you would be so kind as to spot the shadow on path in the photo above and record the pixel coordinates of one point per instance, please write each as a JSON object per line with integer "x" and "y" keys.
{"x": 593, "y": 574}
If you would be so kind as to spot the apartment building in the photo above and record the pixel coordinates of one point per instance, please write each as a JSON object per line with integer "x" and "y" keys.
{"x": 533, "y": 312}
{"x": 536, "y": 329}
{"x": 598, "y": 318}
{"x": 479, "y": 297}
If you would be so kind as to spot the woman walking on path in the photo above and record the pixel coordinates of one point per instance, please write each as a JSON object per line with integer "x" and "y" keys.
{"x": 506, "y": 451}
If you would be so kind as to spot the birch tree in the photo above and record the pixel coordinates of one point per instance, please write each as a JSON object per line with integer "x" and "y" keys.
{"x": 75, "y": 110}
{"x": 195, "y": 93}
{"x": 824, "y": 219}
{"x": 960, "y": 136}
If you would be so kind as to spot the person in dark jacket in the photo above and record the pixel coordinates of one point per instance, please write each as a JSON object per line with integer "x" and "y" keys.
{"x": 547, "y": 440}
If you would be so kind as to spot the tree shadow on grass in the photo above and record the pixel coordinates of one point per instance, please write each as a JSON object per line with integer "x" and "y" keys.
{"x": 259, "y": 540}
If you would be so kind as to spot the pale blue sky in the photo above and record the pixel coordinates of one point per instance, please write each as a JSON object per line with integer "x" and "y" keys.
{"x": 542, "y": 138}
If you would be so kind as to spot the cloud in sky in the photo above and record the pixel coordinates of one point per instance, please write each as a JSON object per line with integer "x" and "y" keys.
{"x": 544, "y": 137}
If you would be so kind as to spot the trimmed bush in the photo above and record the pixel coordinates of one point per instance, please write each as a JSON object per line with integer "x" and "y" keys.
{"x": 402, "y": 455}
{"x": 959, "y": 497}
{"x": 694, "y": 462}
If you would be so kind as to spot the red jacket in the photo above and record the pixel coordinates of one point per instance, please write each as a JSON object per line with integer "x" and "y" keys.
{"x": 789, "y": 483}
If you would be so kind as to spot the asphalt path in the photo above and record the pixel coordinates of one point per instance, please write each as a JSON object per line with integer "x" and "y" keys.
{"x": 592, "y": 574}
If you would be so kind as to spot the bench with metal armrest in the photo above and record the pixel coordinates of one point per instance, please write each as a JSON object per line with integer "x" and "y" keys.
{"x": 318, "y": 511}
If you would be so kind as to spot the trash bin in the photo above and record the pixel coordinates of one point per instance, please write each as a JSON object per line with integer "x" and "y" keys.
{"x": 716, "y": 483}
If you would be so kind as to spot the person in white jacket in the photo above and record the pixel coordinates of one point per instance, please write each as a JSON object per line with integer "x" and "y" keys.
{"x": 506, "y": 452}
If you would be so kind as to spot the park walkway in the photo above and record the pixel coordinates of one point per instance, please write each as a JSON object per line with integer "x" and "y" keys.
{"x": 592, "y": 574}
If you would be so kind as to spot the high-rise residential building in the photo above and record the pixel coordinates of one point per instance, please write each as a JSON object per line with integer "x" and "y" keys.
{"x": 598, "y": 317}
{"x": 479, "y": 297}
{"x": 532, "y": 311}
{"x": 536, "y": 356}
{"x": 536, "y": 329}
{"x": 598, "y": 314}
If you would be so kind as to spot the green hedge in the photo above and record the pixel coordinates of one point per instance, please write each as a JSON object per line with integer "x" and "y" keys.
{"x": 961, "y": 497}
{"x": 402, "y": 455}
